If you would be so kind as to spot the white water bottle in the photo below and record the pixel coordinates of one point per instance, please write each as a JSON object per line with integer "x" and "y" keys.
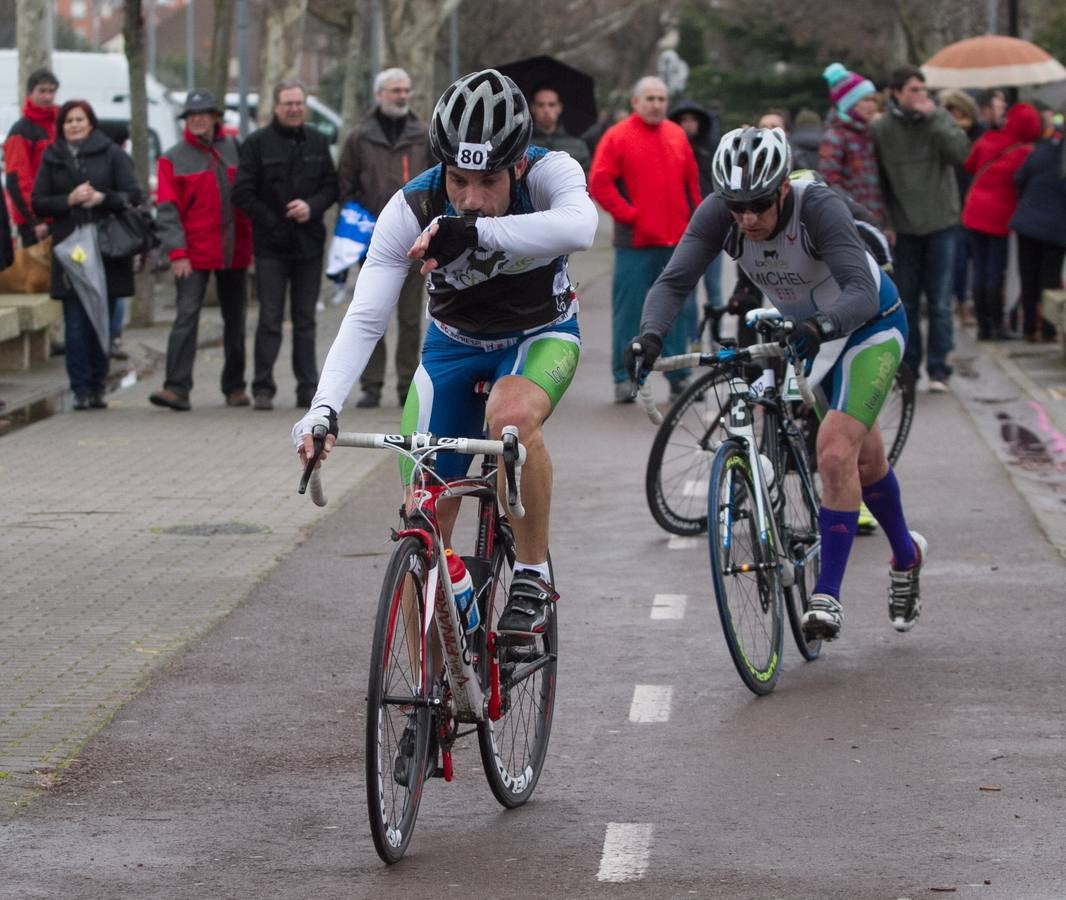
{"x": 463, "y": 589}
{"x": 767, "y": 469}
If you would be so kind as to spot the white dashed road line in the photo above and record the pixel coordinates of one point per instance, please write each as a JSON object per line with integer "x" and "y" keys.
{"x": 668, "y": 606}
{"x": 626, "y": 849}
{"x": 651, "y": 703}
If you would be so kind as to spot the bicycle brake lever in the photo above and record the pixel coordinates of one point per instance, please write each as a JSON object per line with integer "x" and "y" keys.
{"x": 319, "y": 435}
{"x": 512, "y": 462}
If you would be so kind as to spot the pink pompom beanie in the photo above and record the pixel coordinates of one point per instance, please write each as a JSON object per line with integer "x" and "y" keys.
{"x": 846, "y": 88}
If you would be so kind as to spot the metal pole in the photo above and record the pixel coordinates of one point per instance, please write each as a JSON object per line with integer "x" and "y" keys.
{"x": 242, "y": 63}
{"x": 993, "y": 16}
{"x": 453, "y": 45}
{"x": 190, "y": 45}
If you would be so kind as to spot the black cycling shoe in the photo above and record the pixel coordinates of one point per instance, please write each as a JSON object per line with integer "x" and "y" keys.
{"x": 529, "y": 606}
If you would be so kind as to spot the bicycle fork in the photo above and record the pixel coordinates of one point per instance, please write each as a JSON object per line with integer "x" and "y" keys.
{"x": 741, "y": 426}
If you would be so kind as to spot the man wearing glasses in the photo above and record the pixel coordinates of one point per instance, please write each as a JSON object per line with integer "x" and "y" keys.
{"x": 798, "y": 242}
{"x": 285, "y": 182}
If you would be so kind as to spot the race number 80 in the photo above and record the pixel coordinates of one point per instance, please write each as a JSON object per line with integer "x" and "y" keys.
{"x": 473, "y": 156}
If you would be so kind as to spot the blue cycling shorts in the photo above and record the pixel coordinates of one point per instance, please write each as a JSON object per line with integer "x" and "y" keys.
{"x": 442, "y": 399}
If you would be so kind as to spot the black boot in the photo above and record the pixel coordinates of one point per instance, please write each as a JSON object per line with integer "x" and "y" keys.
{"x": 997, "y": 330}
{"x": 980, "y": 312}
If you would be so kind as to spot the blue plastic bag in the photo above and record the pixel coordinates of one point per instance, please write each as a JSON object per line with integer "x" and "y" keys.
{"x": 351, "y": 238}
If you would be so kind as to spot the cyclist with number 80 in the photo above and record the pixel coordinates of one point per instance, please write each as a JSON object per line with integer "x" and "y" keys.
{"x": 797, "y": 241}
{"x": 493, "y": 224}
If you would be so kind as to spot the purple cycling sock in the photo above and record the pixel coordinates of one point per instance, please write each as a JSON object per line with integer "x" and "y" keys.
{"x": 838, "y": 529}
{"x": 882, "y": 499}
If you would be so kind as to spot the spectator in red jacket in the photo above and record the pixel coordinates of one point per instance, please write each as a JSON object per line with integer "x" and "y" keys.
{"x": 989, "y": 204}
{"x": 204, "y": 233}
{"x": 26, "y": 142}
{"x": 644, "y": 174}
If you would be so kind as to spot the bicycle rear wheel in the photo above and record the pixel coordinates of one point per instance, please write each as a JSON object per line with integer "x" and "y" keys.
{"x": 797, "y": 515}
{"x": 747, "y": 587}
{"x": 514, "y": 746}
{"x": 897, "y": 413}
{"x": 398, "y": 720}
{"x": 679, "y": 463}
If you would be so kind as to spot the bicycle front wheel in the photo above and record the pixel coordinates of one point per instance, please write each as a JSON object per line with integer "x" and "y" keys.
{"x": 679, "y": 463}
{"x": 800, "y": 538}
{"x": 744, "y": 566}
{"x": 398, "y": 719}
{"x": 514, "y": 746}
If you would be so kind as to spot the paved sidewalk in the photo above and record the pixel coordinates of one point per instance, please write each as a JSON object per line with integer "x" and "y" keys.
{"x": 126, "y": 534}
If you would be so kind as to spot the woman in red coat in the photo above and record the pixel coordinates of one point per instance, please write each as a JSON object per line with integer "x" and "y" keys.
{"x": 993, "y": 160}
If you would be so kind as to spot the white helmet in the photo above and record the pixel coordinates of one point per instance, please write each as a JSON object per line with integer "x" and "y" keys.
{"x": 751, "y": 163}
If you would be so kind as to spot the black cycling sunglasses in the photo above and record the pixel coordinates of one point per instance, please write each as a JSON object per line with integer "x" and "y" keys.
{"x": 739, "y": 207}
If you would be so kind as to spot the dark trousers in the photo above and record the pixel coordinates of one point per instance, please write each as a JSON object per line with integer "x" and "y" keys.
{"x": 302, "y": 277}
{"x": 1039, "y": 267}
{"x": 409, "y": 309}
{"x": 925, "y": 264}
{"x": 85, "y": 358}
{"x": 232, "y": 288}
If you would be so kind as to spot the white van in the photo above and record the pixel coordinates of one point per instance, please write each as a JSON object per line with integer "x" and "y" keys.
{"x": 102, "y": 79}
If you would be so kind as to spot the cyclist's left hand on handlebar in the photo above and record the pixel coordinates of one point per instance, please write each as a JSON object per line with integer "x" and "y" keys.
{"x": 303, "y": 432}
{"x": 640, "y": 354}
{"x": 806, "y": 337}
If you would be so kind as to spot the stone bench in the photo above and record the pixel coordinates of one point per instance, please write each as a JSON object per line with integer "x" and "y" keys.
{"x": 1053, "y": 308}
{"x": 35, "y": 314}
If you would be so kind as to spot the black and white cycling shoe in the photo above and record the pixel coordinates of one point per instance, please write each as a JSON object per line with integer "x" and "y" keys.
{"x": 823, "y": 618}
{"x": 529, "y": 606}
{"x": 904, "y": 597}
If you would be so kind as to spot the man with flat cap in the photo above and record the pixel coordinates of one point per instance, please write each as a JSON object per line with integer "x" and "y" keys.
{"x": 203, "y": 232}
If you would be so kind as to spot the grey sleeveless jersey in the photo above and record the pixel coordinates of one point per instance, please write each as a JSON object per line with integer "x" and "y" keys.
{"x": 816, "y": 262}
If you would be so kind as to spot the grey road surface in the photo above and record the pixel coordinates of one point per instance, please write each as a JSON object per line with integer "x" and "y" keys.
{"x": 897, "y": 766}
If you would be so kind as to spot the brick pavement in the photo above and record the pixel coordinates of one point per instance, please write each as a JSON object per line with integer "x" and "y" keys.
{"x": 96, "y": 593}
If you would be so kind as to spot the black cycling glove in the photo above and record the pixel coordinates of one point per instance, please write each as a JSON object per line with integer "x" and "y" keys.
{"x": 640, "y": 354}
{"x": 807, "y": 336}
{"x": 455, "y": 235}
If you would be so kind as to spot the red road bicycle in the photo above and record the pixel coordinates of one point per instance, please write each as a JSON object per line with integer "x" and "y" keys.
{"x": 431, "y": 682}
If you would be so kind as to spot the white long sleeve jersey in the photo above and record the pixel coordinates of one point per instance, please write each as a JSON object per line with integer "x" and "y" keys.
{"x": 515, "y": 279}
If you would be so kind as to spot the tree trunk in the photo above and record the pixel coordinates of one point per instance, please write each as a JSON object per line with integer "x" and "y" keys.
{"x": 221, "y": 37}
{"x": 412, "y": 28}
{"x": 33, "y": 40}
{"x": 356, "y": 77}
{"x": 133, "y": 34}
{"x": 283, "y": 34}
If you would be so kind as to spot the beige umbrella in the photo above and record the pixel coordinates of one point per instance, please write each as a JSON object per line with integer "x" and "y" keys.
{"x": 992, "y": 60}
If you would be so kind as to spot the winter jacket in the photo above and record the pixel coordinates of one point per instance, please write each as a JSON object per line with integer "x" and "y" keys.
{"x": 847, "y": 160}
{"x": 993, "y": 160}
{"x": 26, "y": 142}
{"x": 277, "y": 165}
{"x": 806, "y": 141}
{"x": 195, "y": 211}
{"x": 371, "y": 169}
{"x": 104, "y": 164}
{"x": 1041, "y": 185}
{"x": 703, "y": 142}
{"x": 916, "y": 154}
{"x": 645, "y": 176}
{"x": 561, "y": 139}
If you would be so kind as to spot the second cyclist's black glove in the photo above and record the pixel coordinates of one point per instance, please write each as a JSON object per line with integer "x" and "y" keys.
{"x": 640, "y": 354}
{"x": 455, "y": 235}
{"x": 807, "y": 337}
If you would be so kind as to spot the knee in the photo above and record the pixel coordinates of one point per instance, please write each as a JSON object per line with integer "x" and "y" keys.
{"x": 836, "y": 463}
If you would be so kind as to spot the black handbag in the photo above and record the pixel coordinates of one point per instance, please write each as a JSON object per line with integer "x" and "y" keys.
{"x": 126, "y": 233}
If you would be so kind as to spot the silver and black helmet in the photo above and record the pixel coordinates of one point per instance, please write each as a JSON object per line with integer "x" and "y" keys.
{"x": 751, "y": 163}
{"x": 481, "y": 122}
